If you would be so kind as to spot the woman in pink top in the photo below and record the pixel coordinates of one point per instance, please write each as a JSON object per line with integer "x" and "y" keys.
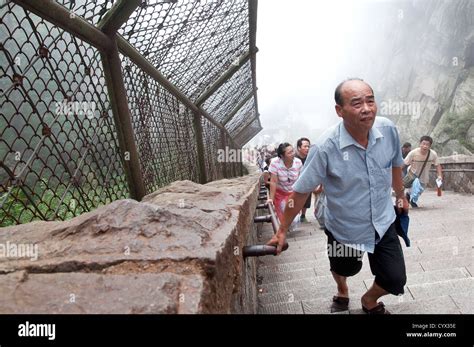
{"x": 284, "y": 171}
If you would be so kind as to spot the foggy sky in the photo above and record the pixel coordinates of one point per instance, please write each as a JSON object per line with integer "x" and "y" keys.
{"x": 306, "y": 48}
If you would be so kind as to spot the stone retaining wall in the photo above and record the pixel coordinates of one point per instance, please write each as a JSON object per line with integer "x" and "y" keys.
{"x": 177, "y": 251}
{"x": 458, "y": 172}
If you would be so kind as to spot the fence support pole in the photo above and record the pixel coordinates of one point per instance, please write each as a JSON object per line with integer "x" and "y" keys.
{"x": 123, "y": 122}
{"x": 224, "y": 78}
{"x": 225, "y": 164}
{"x": 237, "y": 108}
{"x": 249, "y": 122}
{"x": 200, "y": 148}
{"x": 57, "y": 14}
{"x": 117, "y": 15}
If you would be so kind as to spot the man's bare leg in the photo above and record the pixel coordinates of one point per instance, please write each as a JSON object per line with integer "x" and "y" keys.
{"x": 342, "y": 288}
{"x": 369, "y": 299}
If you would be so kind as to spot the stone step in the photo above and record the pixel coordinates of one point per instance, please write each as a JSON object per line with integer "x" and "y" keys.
{"x": 304, "y": 282}
{"x": 450, "y": 281}
{"x": 437, "y": 305}
{"x": 446, "y": 304}
{"x": 464, "y": 302}
{"x": 300, "y": 233}
{"x": 321, "y": 246}
{"x": 303, "y": 238}
{"x": 317, "y": 299}
{"x": 415, "y": 253}
{"x": 442, "y": 254}
{"x": 425, "y": 233}
{"x": 293, "y": 255}
{"x": 323, "y": 305}
{"x": 264, "y": 270}
{"x": 441, "y": 288}
{"x": 309, "y": 292}
{"x": 281, "y": 308}
{"x": 411, "y": 254}
{"x": 462, "y": 223}
{"x": 434, "y": 241}
{"x": 440, "y": 266}
{"x": 272, "y": 264}
{"x": 431, "y": 276}
{"x": 303, "y": 278}
{"x": 276, "y": 277}
{"x": 321, "y": 274}
{"x": 470, "y": 268}
{"x": 462, "y": 260}
{"x": 288, "y": 258}
{"x": 321, "y": 265}
{"x": 463, "y": 234}
{"x": 310, "y": 245}
{"x": 428, "y": 244}
{"x": 468, "y": 238}
{"x": 448, "y": 247}
{"x": 292, "y": 251}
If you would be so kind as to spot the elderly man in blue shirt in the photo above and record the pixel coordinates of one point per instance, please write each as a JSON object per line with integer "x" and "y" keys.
{"x": 358, "y": 162}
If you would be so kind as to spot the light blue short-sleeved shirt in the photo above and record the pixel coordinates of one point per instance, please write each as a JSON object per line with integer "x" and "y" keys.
{"x": 357, "y": 181}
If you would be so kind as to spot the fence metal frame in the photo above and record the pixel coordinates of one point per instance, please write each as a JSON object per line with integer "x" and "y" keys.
{"x": 105, "y": 38}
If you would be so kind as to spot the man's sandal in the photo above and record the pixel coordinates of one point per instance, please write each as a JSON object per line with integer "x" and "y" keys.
{"x": 379, "y": 309}
{"x": 339, "y": 304}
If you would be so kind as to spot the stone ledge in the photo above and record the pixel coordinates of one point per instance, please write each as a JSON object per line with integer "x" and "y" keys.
{"x": 75, "y": 293}
{"x": 182, "y": 239}
{"x": 456, "y": 159}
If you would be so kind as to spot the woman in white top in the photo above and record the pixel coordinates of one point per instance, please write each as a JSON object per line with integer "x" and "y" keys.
{"x": 284, "y": 171}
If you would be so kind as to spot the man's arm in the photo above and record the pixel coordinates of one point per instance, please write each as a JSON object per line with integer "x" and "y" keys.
{"x": 397, "y": 185}
{"x": 439, "y": 171}
{"x": 293, "y": 206}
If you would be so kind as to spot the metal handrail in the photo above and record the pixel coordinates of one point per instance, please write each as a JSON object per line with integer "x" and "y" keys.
{"x": 260, "y": 250}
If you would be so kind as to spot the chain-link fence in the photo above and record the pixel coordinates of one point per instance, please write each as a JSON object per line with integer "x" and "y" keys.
{"x": 109, "y": 99}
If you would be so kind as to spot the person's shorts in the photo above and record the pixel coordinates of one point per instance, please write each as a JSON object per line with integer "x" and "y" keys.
{"x": 386, "y": 263}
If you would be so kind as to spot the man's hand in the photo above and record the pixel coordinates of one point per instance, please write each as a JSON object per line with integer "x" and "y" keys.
{"x": 269, "y": 201}
{"x": 397, "y": 185}
{"x": 402, "y": 204}
{"x": 278, "y": 240}
{"x": 319, "y": 189}
{"x": 294, "y": 205}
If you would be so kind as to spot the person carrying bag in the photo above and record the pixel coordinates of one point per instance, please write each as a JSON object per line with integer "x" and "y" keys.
{"x": 410, "y": 176}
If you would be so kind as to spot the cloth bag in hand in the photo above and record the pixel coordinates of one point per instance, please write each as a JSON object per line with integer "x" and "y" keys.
{"x": 401, "y": 225}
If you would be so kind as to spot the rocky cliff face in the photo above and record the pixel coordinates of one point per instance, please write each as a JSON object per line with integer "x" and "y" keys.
{"x": 422, "y": 67}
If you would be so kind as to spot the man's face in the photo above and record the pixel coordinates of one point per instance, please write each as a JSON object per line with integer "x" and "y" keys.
{"x": 359, "y": 108}
{"x": 425, "y": 146}
{"x": 406, "y": 150}
{"x": 304, "y": 149}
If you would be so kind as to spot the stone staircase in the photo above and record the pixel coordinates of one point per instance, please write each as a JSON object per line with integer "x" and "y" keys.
{"x": 439, "y": 265}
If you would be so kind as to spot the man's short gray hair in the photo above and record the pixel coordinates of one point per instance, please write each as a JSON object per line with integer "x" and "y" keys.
{"x": 337, "y": 92}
